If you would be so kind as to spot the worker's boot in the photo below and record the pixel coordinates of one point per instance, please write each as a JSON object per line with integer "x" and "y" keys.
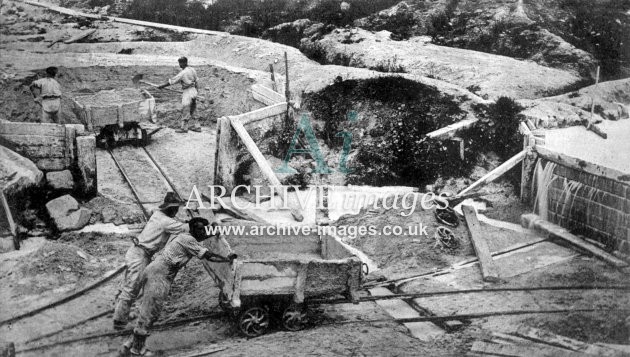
{"x": 125, "y": 349}
{"x": 121, "y": 314}
{"x": 137, "y": 344}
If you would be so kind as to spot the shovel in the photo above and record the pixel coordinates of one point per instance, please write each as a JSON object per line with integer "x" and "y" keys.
{"x": 137, "y": 80}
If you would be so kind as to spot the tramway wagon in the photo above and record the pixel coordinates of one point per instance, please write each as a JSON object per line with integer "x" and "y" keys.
{"x": 275, "y": 277}
{"x": 115, "y": 115}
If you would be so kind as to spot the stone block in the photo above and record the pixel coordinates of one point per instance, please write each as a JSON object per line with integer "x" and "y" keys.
{"x": 66, "y": 213}
{"x": 60, "y": 180}
{"x": 86, "y": 162}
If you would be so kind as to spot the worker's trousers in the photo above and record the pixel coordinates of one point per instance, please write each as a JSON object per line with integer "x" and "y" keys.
{"x": 156, "y": 284}
{"x": 189, "y": 106}
{"x": 136, "y": 260}
{"x": 50, "y": 110}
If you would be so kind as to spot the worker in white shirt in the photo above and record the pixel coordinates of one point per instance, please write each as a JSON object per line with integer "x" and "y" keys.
{"x": 49, "y": 96}
{"x": 189, "y": 80}
{"x": 159, "y": 276}
{"x": 153, "y": 237}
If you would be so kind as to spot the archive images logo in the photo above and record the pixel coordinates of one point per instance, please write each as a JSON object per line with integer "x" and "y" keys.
{"x": 304, "y": 126}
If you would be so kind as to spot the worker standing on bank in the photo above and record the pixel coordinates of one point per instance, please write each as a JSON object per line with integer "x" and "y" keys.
{"x": 159, "y": 276}
{"x": 189, "y": 80}
{"x": 47, "y": 93}
{"x": 153, "y": 237}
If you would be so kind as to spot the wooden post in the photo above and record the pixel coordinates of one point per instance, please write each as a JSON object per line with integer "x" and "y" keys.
{"x": 527, "y": 168}
{"x": 70, "y": 134}
{"x": 225, "y": 157}
{"x": 489, "y": 270}
{"x": 86, "y": 162}
{"x": 274, "y": 86}
{"x": 287, "y": 92}
{"x": 264, "y": 166}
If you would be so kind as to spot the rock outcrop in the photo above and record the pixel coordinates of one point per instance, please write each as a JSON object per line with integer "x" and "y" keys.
{"x": 485, "y": 74}
{"x": 17, "y": 173}
{"x": 291, "y": 33}
{"x": 66, "y": 213}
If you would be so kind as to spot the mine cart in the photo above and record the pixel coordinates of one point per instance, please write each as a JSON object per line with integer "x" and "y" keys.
{"x": 115, "y": 115}
{"x": 275, "y": 277}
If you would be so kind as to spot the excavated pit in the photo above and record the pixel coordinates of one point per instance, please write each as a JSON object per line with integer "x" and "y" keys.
{"x": 225, "y": 92}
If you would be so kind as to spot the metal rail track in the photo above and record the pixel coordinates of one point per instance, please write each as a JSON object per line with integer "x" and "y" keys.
{"x": 469, "y": 316}
{"x": 159, "y": 170}
{"x": 179, "y": 322}
{"x": 109, "y": 276}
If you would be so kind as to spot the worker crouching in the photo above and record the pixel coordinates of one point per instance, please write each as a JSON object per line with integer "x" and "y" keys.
{"x": 159, "y": 276}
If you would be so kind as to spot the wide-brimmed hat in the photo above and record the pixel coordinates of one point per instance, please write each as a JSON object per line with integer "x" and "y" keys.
{"x": 171, "y": 200}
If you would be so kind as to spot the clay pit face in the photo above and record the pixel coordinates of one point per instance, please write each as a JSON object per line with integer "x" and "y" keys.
{"x": 226, "y": 92}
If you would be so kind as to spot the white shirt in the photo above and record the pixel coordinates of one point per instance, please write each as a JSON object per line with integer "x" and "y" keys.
{"x": 187, "y": 77}
{"x": 158, "y": 230}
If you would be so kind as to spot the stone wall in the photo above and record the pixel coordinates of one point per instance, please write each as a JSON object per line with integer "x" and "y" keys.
{"x": 55, "y": 148}
{"x": 596, "y": 207}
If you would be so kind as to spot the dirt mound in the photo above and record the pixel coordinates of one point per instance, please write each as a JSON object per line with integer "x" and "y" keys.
{"x": 53, "y": 266}
{"x": 107, "y": 211}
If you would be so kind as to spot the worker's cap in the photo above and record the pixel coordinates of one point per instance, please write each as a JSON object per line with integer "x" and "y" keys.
{"x": 51, "y": 71}
{"x": 195, "y": 220}
{"x": 182, "y": 60}
{"x": 171, "y": 200}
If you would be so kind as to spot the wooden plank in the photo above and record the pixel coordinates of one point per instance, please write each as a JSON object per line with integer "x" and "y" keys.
{"x": 581, "y": 165}
{"x": 201, "y": 352}
{"x": 300, "y": 284}
{"x": 264, "y": 166}
{"x": 7, "y": 213}
{"x": 549, "y": 338}
{"x": 398, "y": 309}
{"x": 530, "y": 125}
{"x": 533, "y": 221}
{"x": 43, "y": 129}
{"x": 263, "y": 99}
{"x": 269, "y": 94}
{"x": 451, "y": 130}
{"x": 79, "y": 37}
{"x": 524, "y": 129}
{"x": 496, "y": 173}
{"x": 262, "y": 113}
{"x": 489, "y": 270}
{"x": 521, "y": 350}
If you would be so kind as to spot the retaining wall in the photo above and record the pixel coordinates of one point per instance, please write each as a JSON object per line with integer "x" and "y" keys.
{"x": 54, "y": 147}
{"x": 599, "y": 209}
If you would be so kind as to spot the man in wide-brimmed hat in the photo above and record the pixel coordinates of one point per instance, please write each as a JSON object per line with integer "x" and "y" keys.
{"x": 158, "y": 278}
{"x": 153, "y": 237}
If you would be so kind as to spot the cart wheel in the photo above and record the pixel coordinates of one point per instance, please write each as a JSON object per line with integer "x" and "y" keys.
{"x": 254, "y": 321}
{"x": 294, "y": 318}
{"x": 447, "y": 216}
{"x": 445, "y": 238}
